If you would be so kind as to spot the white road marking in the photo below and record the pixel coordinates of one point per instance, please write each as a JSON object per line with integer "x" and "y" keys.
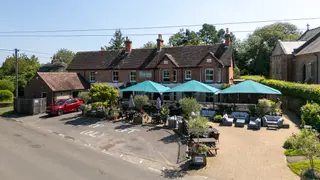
{"x": 83, "y": 132}
{"x": 49, "y": 130}
{"x": 106, "y": 152}
{"x": 121, "y": 155}
{"x": 155, "y": 170}
{"x": 132, "y": 130}
{"x": 103, "y": 134}
{"x": 62, "y": 135}
{"x": 89, "y": 132}
{"x": 93, "y": 134}
{"x": 141, "y": 161}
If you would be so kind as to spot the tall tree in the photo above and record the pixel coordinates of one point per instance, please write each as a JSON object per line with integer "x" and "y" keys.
{"x": 64, "y": 55}
{"x": 150, "y": 44}
{"x": 184, "y": 37}
{"x": 209, "y": 35}
{"x": 254, "y": 52}
{"x": 117, "y": 42}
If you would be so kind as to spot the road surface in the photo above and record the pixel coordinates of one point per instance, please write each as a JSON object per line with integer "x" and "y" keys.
{"x": 31, "y": 154}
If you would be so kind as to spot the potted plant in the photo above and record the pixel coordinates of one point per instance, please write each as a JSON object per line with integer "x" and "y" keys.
{"x": 199, "y": 153}
{"x": 164, "y": 114}
{"x": 115, "y": 115}
{"x": 218, "y": 118}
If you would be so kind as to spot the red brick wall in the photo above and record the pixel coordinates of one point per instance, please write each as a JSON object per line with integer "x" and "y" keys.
{"x": 35, "y": 87}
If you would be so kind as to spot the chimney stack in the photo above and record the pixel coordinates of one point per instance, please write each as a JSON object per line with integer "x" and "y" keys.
{"x": 128, "y": 44}
{"x": 227, "y": 38}
{"x": 159, "y": 42}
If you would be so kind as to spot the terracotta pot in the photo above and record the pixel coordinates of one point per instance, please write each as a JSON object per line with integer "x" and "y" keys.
{"x": 115, "y": 117}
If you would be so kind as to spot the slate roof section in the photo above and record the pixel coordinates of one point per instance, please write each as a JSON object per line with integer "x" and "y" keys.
{"x": 182, "y": 56}
{"x": 64, "y": 81}
{"x": 311, "y": 46}
{"x": 309, "y": 34}
{"x": 289, "y": 46}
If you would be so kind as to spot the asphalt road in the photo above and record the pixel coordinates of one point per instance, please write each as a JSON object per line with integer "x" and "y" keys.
{"x": 31, "y": 154}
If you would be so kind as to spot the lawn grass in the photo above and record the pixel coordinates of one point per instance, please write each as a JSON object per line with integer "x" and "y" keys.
{"x": 303, "y": 165}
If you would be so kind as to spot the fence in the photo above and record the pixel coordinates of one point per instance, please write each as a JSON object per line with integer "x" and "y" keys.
{"x": 30, "y": 106}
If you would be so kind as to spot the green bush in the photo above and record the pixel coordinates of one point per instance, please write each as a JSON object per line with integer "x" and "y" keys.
{"x": 6, "y": 95}
{"x": 218, "y": 118}
{"x": 189, "y": 105}
{"x": 264, "y": 107}
{"x": 303, "y": 91}
{"x": 221, "y": 109}
{"x": 84, "y": 96}
{"x": 310, "y": 114}
{"x": 289, "y": 143}
{"x": 293, "y": 141}
{"x": 140, "y": 101}
{"x": 6, "y": 85}
{"x": 252, "y": 110}
{"x": 292, "y": 152}
{"x": 97, "y": 109}
{"x": 104, "y": 93}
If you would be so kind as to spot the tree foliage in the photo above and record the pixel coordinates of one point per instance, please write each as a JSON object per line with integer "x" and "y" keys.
{"x": 117, "y": 42}
{"x": 206, "y": 35}
{"x": 252, "y": 55}
{"x": 140, "y": 101}
{"x": 6, "y": 95}
{"x": 189, "y": 105}
{"x": 198, "y": 126}
{"x": 64, "y": 55}
{"x": 150, "y": 44}
{"x": 104, "y": 93}
{"x": 6, "y": 85}
{"x": 27, "y": 68}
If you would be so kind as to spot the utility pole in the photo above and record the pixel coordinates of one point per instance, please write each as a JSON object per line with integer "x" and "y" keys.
{"x": 17, "y": 71}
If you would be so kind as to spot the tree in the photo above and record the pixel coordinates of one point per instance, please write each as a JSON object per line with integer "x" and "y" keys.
{"x": 63, "y": 55}
{"x": 53, "y": 67}
{"x": 308, "y": 145}
{"x": 184, "y": 37}
{"x": 209, "y": 35}
{"x": 198, "y": 126}
{"x": 104, "y": 93}
{"x": 117, "y": 42}
{"x": 6, "y": 85}
{"x": 189, "y": 105}
{"x": 236, "y": 72}
{"x": 257, "y": 48}
{"x": 150, "y": 44}
{"x": 27, "y": 68}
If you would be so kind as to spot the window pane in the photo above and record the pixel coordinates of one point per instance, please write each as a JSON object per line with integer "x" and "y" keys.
{"x": 165, "y": 75}
{"x": 209, "y": 75}
{"x": 133, "y": 76}
{"x": 175, "y": 76}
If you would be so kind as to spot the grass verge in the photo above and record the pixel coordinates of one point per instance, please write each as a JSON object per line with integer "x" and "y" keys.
{"x": 303, "y": 165}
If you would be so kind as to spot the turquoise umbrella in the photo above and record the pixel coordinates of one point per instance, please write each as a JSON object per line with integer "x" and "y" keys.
{"x": 146, "y": 86}
{"x": 249, "y": 87}
{"x": 193, "y": 86}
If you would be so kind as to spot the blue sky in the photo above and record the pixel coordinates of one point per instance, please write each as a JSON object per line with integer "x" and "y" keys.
{"x": 21, "y": 15}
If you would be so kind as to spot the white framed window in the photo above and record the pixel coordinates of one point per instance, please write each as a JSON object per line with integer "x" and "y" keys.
{"x": 187, "y": 75}
{"x": 115, "y": 76}
{"x": 175, "y": 75}
{"x": 209, "y": 75}
{"x": 133, "y": 76}
{"x": 92, "y": 77}
{"x": 209, "y": 60}
{"x": 219, "y": 75}
{"x": 165, "y": 62}
{"x": 166, "y": 75}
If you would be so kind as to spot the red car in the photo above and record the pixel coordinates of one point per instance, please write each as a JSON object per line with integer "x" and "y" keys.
{"x": 64, "y": 106}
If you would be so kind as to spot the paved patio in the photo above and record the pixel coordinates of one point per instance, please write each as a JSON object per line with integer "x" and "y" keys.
{"x": 245, "y": 154}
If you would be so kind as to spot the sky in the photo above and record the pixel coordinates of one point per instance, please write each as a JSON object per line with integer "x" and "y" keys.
{"x": 39, "y": 15}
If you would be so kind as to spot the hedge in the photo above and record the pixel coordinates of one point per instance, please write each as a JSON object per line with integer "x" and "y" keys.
{"x": 6, "y": 85}
{"x": 6, "y": 95}
{"x": 309, "y": 92}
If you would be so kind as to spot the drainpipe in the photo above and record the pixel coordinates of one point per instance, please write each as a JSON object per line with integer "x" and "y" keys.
{"x": 317, "y": 67}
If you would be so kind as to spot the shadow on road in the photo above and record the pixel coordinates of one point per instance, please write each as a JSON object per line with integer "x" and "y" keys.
{"x": 70, "y": 118}
{"x": 172, "y": 138}
{"x": 124, "y": 126}
{"x": 76, "y": 121}
{"x": 179, "y": 172}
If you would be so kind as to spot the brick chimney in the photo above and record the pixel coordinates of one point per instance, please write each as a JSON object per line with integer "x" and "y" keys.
{"x": 159, "y": 42}
{"x": 128, "y": 44}
{"x": 227, "y": 38}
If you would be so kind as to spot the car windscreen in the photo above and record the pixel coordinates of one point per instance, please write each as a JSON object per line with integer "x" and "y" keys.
{"x": 61, "y": 102}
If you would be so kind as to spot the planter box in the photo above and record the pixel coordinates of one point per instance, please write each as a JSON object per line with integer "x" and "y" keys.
{"x": 200, "y": 160}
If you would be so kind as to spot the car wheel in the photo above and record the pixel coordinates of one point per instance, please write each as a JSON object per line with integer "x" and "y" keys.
{"x": 60, "y": 112}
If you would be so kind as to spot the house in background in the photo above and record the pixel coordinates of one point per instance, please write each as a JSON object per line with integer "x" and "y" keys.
{"x": 297, "y": 61}
{"x": 170, "y": 66}
{"x": 55, "y": 86}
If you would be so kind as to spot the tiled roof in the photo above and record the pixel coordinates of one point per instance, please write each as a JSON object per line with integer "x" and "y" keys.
{"x": 289, "y": 46}
{"x": 183, "y": 56}
{"x": 62, "y": 81}
{"x": 311, "y": 46}
{"x": 309, "y": 34}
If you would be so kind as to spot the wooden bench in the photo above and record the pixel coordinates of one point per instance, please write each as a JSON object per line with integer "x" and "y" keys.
{"x": 213, "y": 151}
{"x": 272, "y": 127}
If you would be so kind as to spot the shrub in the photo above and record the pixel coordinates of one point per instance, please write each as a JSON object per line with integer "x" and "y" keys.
{"x": 292, "y": 152}
{"x": 221, "y": 109}
{"x": 310, "y": 114}
{"x": 253, "y": 111}
{"x": 293, "y": 142}
{"x": 6, "y": 95}
{"x": 104, "y": 93}
{"x": 97, "y": 109}
{"x": 198, "y": 126}
{"x": 264, "y": 107}
{"x": 6, "y": 85}
{"x": 84, "y": 96}
{"x": 199, "y": 149}
{"x": 218, "y": 118}
{"x": 309, "y": 92}
{"x": 189, "y": 105}
{"x": 236, "y": 72}
{"x": 164, "y": 112}
{"x": 140, "y": 101}
{"x": 225, "y": 86}
{"x": 290, "y": 143}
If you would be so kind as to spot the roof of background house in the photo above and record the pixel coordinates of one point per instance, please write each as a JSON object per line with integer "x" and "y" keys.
{"x": 309, "y": 34}
{"x": 63, "y": 81}
{"x": 184, "y": 56}
{"x": 311, "y": 46}
{"x": 289, "y": 46}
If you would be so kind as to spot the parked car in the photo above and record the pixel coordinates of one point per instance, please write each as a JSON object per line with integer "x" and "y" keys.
{"x": 64, "y": 106}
